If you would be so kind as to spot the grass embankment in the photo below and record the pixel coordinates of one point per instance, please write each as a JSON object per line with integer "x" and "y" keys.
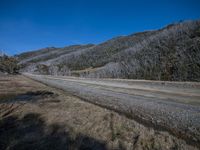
{"x": 34, "y": 116}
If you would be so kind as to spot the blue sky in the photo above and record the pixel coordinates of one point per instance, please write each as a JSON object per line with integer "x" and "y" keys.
{"x": 32, "y": 24}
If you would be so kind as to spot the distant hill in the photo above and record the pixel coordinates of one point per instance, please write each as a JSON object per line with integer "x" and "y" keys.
{"x": 171, "y": 53}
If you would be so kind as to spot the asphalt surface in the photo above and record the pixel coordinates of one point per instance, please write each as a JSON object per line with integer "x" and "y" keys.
{"x": 171, "y": 106}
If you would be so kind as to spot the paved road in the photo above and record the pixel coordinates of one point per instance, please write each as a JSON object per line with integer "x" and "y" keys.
{"x": 172, "y": 106}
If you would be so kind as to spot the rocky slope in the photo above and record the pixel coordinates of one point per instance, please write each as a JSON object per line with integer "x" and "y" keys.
{"x": 171, "y": 53}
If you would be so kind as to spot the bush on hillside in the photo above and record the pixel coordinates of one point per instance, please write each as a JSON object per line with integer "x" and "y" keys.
{"x": 8, "y": 65}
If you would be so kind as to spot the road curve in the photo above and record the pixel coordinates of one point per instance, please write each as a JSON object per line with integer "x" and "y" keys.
{"x": 172, "y": 106}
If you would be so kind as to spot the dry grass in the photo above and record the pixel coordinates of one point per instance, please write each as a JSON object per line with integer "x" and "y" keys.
{"x": 52, "y": 119}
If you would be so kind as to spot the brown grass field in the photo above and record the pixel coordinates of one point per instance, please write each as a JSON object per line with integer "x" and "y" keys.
{"x": 35, "y": 116}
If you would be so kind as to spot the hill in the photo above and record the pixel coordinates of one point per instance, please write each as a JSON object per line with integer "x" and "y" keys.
{"x": 171, "y": 53}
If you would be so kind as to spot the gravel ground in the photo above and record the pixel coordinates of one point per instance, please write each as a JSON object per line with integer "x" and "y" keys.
{"x": 35, "y": 116}
{"x": 170, "y": 106}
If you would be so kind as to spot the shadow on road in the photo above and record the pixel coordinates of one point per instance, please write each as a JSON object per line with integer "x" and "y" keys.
{"x": 31, "y": 132}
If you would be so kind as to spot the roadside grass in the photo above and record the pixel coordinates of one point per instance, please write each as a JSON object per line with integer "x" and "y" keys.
{"x": 34, "y": 116}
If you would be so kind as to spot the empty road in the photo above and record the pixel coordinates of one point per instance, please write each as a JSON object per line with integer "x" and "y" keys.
{"x": 171, "y": 106}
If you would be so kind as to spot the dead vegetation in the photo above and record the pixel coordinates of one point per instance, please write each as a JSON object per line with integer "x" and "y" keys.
{"x": 171, "y": 53}
{"x": 8, "y": 65}
{"x": 40, "y": 117}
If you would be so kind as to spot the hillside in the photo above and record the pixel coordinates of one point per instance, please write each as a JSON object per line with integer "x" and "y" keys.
{"x": 171, "y": 53}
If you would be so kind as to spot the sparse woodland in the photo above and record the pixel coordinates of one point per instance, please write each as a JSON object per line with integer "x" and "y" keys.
{"x": 8, "y": 65}
{"x": 171, "y": 53}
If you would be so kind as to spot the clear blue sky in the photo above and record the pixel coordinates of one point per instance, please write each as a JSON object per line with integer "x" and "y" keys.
{"x": 32, "y": 24}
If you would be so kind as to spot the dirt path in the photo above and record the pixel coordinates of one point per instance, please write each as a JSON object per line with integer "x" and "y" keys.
{"x": 35, "y": 116}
